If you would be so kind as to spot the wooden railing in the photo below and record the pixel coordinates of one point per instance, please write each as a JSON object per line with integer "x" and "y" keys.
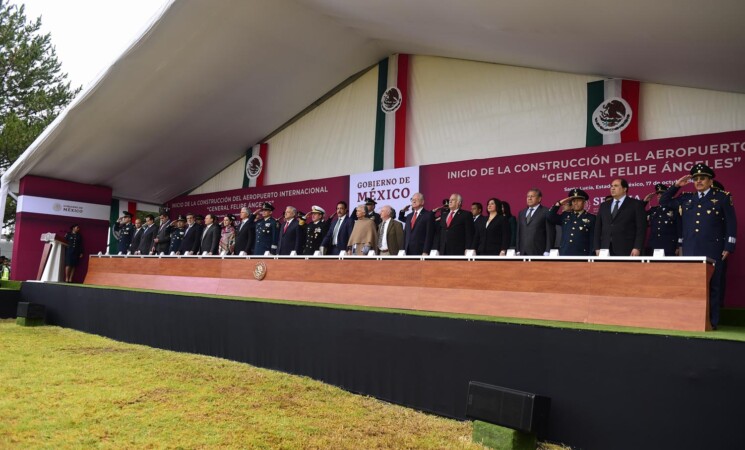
{"x": 665, "y": 293}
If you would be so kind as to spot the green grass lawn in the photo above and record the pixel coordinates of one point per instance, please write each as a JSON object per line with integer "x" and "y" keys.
{"x": 60, "y": 388}
{"x": 10, "y": 284}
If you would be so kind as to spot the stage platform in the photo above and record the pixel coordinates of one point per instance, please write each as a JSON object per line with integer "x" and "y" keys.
{"x": 609, "y": 389}
{"x": 9, "y": 301}
{"x": 662, "y": 293}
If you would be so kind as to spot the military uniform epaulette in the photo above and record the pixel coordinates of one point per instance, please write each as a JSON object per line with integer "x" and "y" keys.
{"x": 727, "y": 194}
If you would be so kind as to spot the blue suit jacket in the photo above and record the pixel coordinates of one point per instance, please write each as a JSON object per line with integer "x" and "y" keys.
{"x": 342, "y": 238}
{"x": 709, "y": 224}
{"x": 292, "y": 239}
{"x": 418, "y": 239}
{"x": 191, "y": 240}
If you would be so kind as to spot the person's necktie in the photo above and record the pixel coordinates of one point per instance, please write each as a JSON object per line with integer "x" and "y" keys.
{"x": 413, "y": 219}
{"x": 615, "y": 209}
{"x": 336, "y": 230}
{"x": 529, "y": 216}
{"x": 287, "y": 224}
{"x": 450, "y": 217}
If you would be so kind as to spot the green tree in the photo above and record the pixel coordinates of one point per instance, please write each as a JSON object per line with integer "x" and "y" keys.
{"x": 33, "y": 88}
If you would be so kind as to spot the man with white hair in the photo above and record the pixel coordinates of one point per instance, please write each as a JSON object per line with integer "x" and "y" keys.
{"x": 244, "y": 232}
{"x": 290, "y": 233}
{"x": 390, "y": 232}
{"x": 456, "y": 229}
{"x": 419, "y": 227}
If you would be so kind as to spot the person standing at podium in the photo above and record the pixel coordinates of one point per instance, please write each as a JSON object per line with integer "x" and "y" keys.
{"x": 73, "y": 252}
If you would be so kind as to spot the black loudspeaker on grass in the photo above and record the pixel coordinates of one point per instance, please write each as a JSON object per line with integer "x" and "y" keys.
{"x": 31, "y": 314}
{"x": 522, "y": 411}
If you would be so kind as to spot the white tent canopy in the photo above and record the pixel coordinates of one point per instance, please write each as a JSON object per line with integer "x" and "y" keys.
{"x": 208, "y": 79}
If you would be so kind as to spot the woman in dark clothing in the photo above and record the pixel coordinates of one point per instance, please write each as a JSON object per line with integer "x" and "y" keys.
{"x": 505, "y": 209}
{"x": 74, "y": 251}
{"x": 493, "y": 237}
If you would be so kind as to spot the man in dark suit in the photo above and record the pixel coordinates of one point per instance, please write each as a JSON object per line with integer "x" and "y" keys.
{"x": 419, "y": 227}
{"x": 244, "y": 232}
{"x": 339, "y": 230}
{"x": 291, "y": 234}
{"x": 163, "y": 235}
{"x": 456, "y": 229}
{"x": 210, "y": 236}
{"x": 390, "y": 232}
{"x": 192, "y": 236}
{"x": 148, "y": 235}
{"x": 134, "y": 246}
{"x": 621, "y": 224}
{"x": 535, "y": 235}
{"x": 479, "y": 220}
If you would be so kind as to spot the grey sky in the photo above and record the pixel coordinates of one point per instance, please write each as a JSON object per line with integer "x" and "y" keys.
{"x": 89, "y": 35}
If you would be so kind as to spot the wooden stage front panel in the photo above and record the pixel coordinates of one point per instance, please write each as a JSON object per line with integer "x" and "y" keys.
{"x": 666, "y": 294}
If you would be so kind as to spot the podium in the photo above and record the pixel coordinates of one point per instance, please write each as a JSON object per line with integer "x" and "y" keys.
{"x": 52, "y": 265}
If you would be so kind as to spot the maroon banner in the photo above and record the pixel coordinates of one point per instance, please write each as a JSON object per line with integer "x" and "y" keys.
{"x": 302, "y": 195}
{"x": 643, "y": 164}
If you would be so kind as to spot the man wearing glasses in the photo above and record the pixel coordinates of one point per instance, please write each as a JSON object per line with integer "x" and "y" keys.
{"x": 709, "y": 227}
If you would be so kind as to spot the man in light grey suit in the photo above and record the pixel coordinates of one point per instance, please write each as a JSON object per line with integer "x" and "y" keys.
{"x": 535, "y": 235}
